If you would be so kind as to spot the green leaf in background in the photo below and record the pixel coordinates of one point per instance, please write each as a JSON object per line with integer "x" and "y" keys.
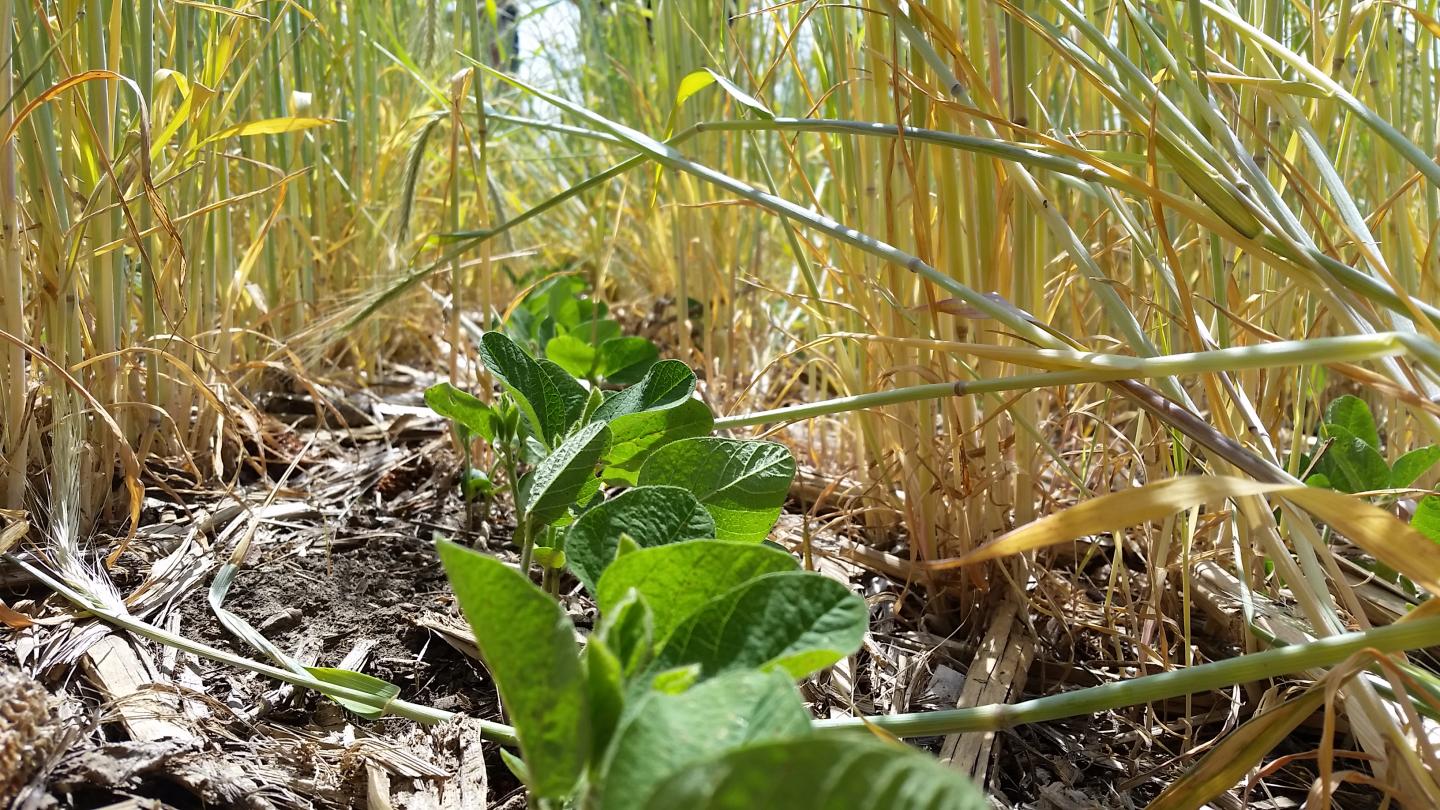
{"x": 667, "y": 384}
{"x": 463, "y": 409}
{"x": 1352, "y": 414}
{"x": 533, "y": 390}
{"x": 571, "y": 392}
{"x": 384, "y": 691}
{"x": 1352, "y": 464}
{"x": 676, "y": 580}
{"x": 819, "y": 773}
{"x": 1427, "y": 517}
{"x": 624, "y": 360}
{"x": 796, "y": 621}
{"x": 572, "y": 354}
{"x": 561, "y": 477}
{"x": 652, "y": 516}
{"x": 596, "y": 331}
{"x": 664, "y": 734}
{"x": 521, "y": 326}
{"x": 528, "y": 644}
{"x": 742, "y": 483}
{"x": 1412, "y": 465}
{"x": 564, "y": 305}
{"x": 635, "y": 436}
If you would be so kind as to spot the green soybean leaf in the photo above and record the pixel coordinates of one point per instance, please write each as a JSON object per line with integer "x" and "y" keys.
{"x": 742, "y": 483}
{"x": 1353, "y": 464}
{"x": 528, "y": 644}
{"x": 596, "y": 331}
{"x": 565, "y": 307}
{"x": 651, "y": 516}
{"x": 665, "y": 734}
{"x": 476, "y": 484}
{"x": 606, "y": 684}
{"x": 627, "y": 545}
{"x": 624, "y": 360}
{"x": 548, "y": 557}
{"x": 593, "y": 401}
{"x": 516, "y": 766}
{"x": 667, "y": 384}
{"x": 635, "y": 436}
{"x": 559, "y": 480}
{"x": 571, "y": 392}
{"x": 521, "y": 326}
{"x": 628, "y": 629}
{"x": 795, "y": 621}
{"x": 1412, "y": 465}
{"x": 819, "y": 773}
{"x": 532, "y": 388}
{"x": 572, "y": 354}
{"x": 1427, "y": 517}
{"x": 384, "y": 691}
{"x": 1352, "y": 414}
{"x": 676, "y": 580}
{"x": 677, "y": 680}
{"x": 462, "y": 408}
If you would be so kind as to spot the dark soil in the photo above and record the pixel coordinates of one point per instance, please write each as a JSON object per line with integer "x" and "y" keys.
{"x": 359, "y": 589}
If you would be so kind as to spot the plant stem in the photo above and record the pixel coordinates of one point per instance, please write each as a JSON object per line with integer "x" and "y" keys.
{"x": 1107, "y": 368}
{"x": 527, "y": 545}
{"x": 1274, "y": 663}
